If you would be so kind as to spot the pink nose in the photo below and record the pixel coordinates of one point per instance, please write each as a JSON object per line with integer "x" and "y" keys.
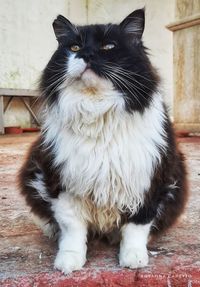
{"x": 88, "y": 66}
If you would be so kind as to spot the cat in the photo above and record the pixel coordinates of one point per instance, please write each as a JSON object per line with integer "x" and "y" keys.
{"x": 106, "y": 158}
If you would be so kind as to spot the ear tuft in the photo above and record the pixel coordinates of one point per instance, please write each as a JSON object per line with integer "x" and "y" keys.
{"x": 62, "y": 26}
{"x": 133, "y": 24}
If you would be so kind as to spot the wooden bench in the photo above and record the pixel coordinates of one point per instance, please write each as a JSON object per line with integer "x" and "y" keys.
{"x": 23, "y": 95}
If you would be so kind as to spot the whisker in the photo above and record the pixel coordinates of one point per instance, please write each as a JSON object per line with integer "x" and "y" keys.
{"x": 56, "y": 76}
{"x": 129, "y": 72}
{"x": 134, "y": 88}
{"x": 121, "y": 80}
{"x": 127, "y": 76}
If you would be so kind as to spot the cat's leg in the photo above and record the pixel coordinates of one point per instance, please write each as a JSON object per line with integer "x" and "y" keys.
{"x": 133, "y": 246}
{"x": 71, "y": 255}
{"x": 164, "y": 203}
{"x": 134, "y": 237}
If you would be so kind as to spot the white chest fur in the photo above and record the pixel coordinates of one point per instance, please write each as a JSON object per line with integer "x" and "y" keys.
{"x": 106, "y": 154}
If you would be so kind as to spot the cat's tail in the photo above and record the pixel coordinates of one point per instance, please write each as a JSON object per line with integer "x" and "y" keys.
{"x": 49, "y": 227}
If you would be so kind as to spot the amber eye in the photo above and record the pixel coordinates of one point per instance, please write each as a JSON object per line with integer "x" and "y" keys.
{"x": 108, "y": 47}
{"x": 75, "y": 48}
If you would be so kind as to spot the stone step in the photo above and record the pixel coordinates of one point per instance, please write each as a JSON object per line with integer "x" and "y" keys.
{"x": 26, "y": 255}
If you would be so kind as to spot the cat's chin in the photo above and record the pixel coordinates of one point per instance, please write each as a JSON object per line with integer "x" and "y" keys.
{"x": 90, "y": 79}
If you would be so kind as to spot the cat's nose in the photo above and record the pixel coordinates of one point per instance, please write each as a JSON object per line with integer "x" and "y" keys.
{"x": 88, "y": 66}
{"x": 88, "y": 56}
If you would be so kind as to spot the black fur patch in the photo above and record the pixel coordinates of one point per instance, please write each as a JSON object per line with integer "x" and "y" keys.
{"x": 128, "y": 67}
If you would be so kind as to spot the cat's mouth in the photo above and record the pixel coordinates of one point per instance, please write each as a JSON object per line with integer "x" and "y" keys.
{"x": 85, "y": 76}
{"x": 89, "y": 77}
{"x": 88, "y": 69}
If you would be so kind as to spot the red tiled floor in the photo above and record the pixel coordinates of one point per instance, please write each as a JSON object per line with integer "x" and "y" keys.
{"x": 26, "y": 256}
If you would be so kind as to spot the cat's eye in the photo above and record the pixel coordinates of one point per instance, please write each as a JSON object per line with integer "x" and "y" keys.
{"x": 75, "y": 48}
{"x": 108, "y": 46}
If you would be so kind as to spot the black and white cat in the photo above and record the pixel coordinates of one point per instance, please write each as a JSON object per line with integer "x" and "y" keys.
{"x": 106, "y": 158}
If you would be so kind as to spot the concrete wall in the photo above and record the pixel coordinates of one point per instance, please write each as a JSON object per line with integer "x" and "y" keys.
{"x": 27, "y": 39}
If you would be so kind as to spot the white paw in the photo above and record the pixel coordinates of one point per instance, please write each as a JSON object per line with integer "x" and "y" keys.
{"x": 133, "y": 257}
{"x": 68, "y": 261}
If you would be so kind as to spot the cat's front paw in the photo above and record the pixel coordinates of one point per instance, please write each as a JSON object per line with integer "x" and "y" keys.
{"x": 133, "y": 257}
{"x": 69, "y": 261}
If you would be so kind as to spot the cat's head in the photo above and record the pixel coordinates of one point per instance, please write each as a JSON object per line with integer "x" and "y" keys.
{"x": 96, "y": 55}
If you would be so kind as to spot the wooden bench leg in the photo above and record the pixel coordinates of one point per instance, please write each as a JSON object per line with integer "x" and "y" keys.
{"x": 30, "y": 110}
{"x": 1, "y": 116}
{"x": 8, "y": 104}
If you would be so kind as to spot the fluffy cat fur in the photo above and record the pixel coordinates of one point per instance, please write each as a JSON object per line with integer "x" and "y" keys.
{"x": 106, "y": 158}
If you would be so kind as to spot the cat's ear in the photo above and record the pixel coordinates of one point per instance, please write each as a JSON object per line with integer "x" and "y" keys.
{"x": 62, "y": 27}
{"x": 133, "y": 24}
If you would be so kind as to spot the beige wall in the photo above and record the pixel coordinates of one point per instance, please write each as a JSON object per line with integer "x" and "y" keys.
{"x": 186, "y": 39}
{"x": 26, "y": 44}
{"x": 27, "y": 39}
